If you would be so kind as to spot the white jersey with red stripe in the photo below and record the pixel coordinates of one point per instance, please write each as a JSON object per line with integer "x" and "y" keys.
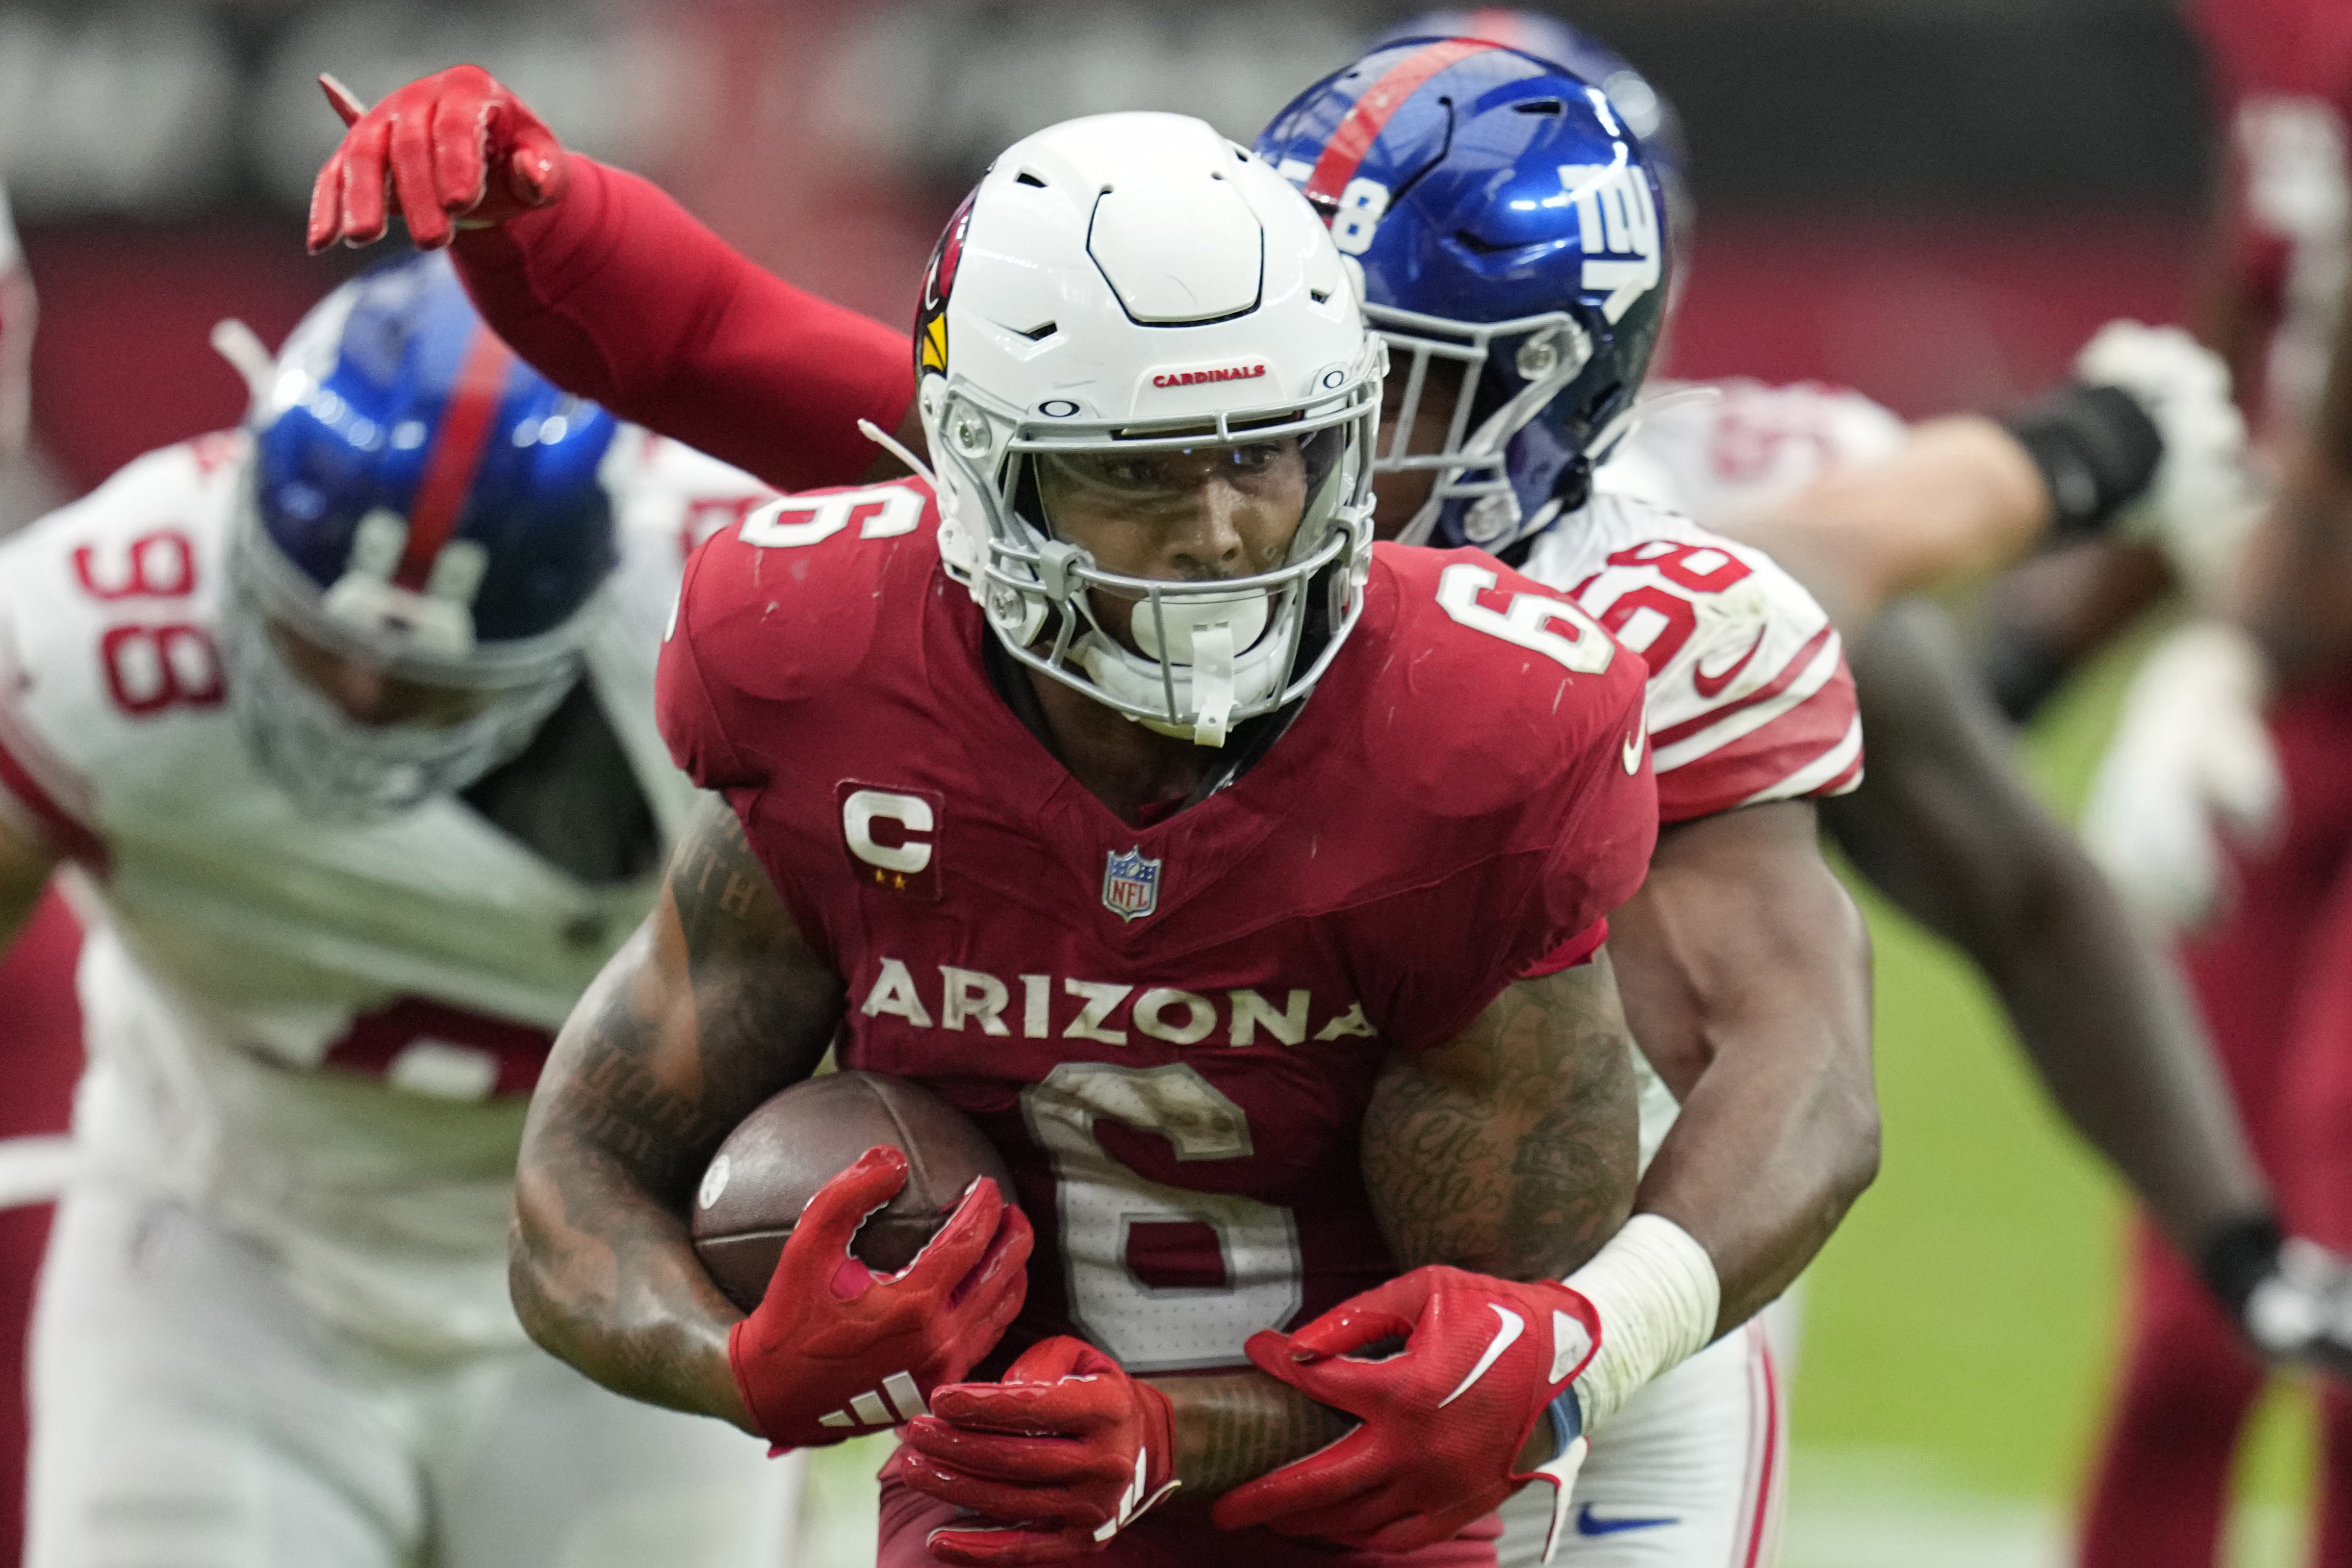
{"x": 323, "y": 1034}
{"x": 1749, "y": 697}
{"x": 1720, "y": 451}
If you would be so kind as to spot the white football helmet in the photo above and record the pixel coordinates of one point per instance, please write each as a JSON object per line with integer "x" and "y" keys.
{"x": 1136, "y": 283}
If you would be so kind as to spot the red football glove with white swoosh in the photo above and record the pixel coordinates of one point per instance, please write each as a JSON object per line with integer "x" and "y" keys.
{"x": 452, "y": 146}
{"x": 1444, "y": 1419}
{"x": 836, "y": 1350}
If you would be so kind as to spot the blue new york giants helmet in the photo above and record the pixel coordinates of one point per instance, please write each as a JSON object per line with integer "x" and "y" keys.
{"x": 1644, "y": 110}
{"x": 1508, "y": 228}
{"x": 424, "y": 506}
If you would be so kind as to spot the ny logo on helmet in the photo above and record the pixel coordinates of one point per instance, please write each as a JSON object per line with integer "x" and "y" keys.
{"x": 1615, "y": 218}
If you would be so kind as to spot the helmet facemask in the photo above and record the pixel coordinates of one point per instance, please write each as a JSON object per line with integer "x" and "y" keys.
{"x": 1549, "y": 353}
{"x": 1199, "y": 655}
{"x": 339, "y": 768}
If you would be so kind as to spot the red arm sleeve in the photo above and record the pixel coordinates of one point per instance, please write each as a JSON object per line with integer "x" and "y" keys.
{"x": 617, "y": 294}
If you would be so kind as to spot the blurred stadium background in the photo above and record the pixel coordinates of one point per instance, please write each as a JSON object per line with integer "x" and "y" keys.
{"x": 1934, "y": 201}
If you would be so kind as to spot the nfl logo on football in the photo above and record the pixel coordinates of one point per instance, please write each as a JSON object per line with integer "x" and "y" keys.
{"x": 1130, "y": 885}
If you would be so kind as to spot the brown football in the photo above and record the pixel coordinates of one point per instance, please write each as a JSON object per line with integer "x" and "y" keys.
{"x": 776, "y": 1159}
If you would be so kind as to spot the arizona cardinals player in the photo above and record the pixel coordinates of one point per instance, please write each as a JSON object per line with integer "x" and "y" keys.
{"x": 1828, "y": 1142}
{"x": 1244, "y": 882}
{"x": 344, "y": 720}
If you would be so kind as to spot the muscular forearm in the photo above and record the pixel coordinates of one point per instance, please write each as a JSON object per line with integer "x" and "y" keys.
{"x": 1959, "y": 498}
{"x": 1746, "y": 970}
{"x": 603, "y": 1272}
{"x": 1772, "y": 1147}
{"x": 622, "y": 1297}
{"x": 1511, "y": 1150}
{"x": 617, "y": 294}
{"x": 1232, "y": 1427}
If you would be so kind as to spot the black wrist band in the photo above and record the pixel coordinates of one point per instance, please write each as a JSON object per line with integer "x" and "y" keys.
{"x": 2238, "y": 1258}
{"x": 2097, "y": 451}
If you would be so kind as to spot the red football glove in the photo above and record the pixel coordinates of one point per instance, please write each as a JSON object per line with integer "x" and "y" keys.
{"x": 453, "y": 145}
{"x": 1068, "y": 1450}
{"x": 836, "y": 1350}
{"x": 1444, "y": 1419}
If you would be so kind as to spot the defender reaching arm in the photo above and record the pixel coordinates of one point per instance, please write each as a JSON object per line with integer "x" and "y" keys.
{"x": 612, "y": 289}
{"x": 1746, "y": 969}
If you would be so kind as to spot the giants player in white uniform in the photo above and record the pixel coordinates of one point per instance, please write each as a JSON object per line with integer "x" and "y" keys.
{"x": 1747, "y": 705}
{"x": 344, "y": 722}
{"x": 1521, "y": 300}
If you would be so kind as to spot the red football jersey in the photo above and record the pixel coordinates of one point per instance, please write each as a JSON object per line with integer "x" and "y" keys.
{"x": 1170, "y": 1031}
{"x": 2281, "y": 73}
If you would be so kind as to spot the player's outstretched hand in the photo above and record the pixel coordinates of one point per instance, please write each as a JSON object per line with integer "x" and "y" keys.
{"x": 2202, "y": 498}
{"x": 1065, "y": 1453}
{"x": 836, "y": 1350}
{"x": 454, "y": 149}
{"x": 2190, "y": 765}
{"x": 1444, "y": 1419}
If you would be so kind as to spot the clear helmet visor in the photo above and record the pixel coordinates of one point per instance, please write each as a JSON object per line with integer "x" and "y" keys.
{"x": 1052, "y": 523}
{"x": 1210, "y": 514}
{"x": 1179, "y": 579}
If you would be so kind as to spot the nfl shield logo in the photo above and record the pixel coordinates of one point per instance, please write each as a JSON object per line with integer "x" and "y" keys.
{"x": 1131, "y": 885}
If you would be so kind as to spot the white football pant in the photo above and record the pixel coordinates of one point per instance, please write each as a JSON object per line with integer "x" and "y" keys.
{"x": 188, "y": 1410}
{"x": 1688, "y": 1475}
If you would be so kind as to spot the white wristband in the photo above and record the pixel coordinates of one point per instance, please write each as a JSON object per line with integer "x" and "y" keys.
{"x": 1658, "y": 1296}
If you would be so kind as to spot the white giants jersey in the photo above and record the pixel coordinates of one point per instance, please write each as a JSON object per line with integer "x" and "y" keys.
{"x": 1750, "y": 698}
{"x": 324, "y": 1034}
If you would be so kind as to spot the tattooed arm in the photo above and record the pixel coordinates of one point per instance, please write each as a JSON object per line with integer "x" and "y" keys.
{"x": 713, "y": 1006}
{"x": 1509, "y": 1151}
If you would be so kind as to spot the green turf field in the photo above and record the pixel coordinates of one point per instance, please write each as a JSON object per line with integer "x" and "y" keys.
{"x": 1957, "y": 1329}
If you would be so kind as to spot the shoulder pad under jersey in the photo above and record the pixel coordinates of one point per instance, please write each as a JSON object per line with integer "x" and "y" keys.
{"x": 107, "y": 610}
{"x": 1490, "y": 687}
{"x": 783, "y": 607}
{"x": 1749, "y": 697}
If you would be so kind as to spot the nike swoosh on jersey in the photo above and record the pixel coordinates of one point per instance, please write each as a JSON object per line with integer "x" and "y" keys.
{"x": 1641, "y": 733}
{"x": 1513, "y": 1327}
{"x": 1709, "y": 686}
{"x": 1589, "y": 1523}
